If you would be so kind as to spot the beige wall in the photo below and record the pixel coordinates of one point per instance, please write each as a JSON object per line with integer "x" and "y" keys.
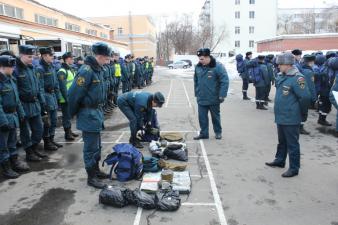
{"x": 30, "y": 9}
{"x": 143, "y": 31}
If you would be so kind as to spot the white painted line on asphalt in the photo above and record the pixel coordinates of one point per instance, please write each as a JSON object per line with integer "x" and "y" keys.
{"x": 186, "y": 93}
{"x": 168, "y": 97}
{"x": 198, "y": 175}
{"x": 197, "y": 204}
{"x": 119, "y": 138}
{"x": 214, "y": 190}
{"x": 138, "y": 216}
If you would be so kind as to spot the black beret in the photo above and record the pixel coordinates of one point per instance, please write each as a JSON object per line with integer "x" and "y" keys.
{"x": 27, "y": 49}
{"x": 101, "y": 48}
{"x": 297, "y": 52}
{"x": 270, "y": 56}
{"x": 46, "y": 50}
{"x": 261, "y": 57}
{"x": 320, "y": 59}
{"x": 248, "y": 53}
{"x": 203, "y": 52}
{"x": 330, "y": 54}
{"x": 67, "y": 55}
{"x": 7, "y": 61}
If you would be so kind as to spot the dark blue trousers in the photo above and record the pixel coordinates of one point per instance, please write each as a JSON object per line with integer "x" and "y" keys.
{"x": 288, "y": 143}
{"x": 31, "y": 131}
{"x": 7, "y": 144}
{"x": 129, "y": 113}
{"x": 91, "y": 148}
{"x": 66, "y": 118}
{"x": 203, "y": 118}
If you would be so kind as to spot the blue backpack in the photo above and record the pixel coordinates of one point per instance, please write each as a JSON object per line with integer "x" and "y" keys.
{"x": 254, "y": 72}
{"x": 240, "y": 64}
{"x": 126, "y": 162}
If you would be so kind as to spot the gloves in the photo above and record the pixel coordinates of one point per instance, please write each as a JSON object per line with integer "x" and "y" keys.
{"x": 5, "y": 128}
{"x": 43, "y": 110}
{"x": 221, "y": 99}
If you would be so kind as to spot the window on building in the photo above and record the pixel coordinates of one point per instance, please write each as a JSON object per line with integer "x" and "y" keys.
{"x": 237, "y": 2}
{"x": 8, "y": 10}
{"x": 103, "y": 35}
{"x": 72, "y": 27}
{"x": 237, "y": 44}
{"x": 91, "y": 32}
{"x": 237, "y": 14}
{"x": 251, "y": 30}
{"x": 252, "y": 2}
{"x": 119, "y": 31}
{"x": 237, "y": 30}
{"x": 252, "y": 14}
{"x": 251, "y": 44}
{"x": 46, "y": 20}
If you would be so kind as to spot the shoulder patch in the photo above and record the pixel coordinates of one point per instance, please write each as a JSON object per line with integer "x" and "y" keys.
{"x": 86, "y": 67}
{"x": 80, "y": 81}
{"x": 301, "y": 82}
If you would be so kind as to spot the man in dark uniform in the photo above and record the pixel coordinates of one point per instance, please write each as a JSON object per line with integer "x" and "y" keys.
{"x": 245, "y": 77}
{"x": 47, "y": 72}
{"x": 65, "y": 77}
{"x": 298, "y": 56}
{"x": 308, "y": 73}
{"x": 31, "y": 94}
{"x": 86, "y": 97}
{"x": 292, "y": 101}
{"x": 261, "y": 83}
{"x": 269, "y": 64}
{"x": 11, "y": 112}
{"x": 137, "y": 107}
{"x": 333, "y": 66}
{"x": 211, "y": 83}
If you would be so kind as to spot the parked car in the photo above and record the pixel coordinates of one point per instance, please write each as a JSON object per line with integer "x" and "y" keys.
{"x": 188, "y": 61}
{"x": 178, "y": 64}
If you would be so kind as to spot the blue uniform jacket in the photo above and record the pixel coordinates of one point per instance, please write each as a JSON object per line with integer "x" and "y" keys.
{"x": 210, "y": 82}
{"x": 50, "y": 83}
{"x": 309, "y": 75}
{"x": 292, "y": 98}
{"x": 31, "y": 92}
{"x": 9, "y": 100}
{"x": 86, "y": 96}
{"x": 264, "y": 76}
{"x": 334, "y": 88}
{"x": 141, "y": 103}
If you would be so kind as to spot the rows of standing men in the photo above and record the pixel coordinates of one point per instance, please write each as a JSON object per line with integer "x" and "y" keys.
{"x": 32, "y": 89}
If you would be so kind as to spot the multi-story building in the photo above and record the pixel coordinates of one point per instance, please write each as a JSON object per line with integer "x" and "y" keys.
{"x": 137, "y": 30}
{"x": 238, "y": 24}
{"x": 27, "y": 21}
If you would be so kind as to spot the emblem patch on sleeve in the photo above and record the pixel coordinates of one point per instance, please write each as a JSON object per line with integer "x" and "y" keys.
{"x": 301, "y": 82}
{"x": 80, "y": 81}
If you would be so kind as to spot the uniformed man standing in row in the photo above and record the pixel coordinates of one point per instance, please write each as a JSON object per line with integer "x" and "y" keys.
{"x": 292, "y": 101}
{"x": 211, "y": 83}
{"x": 333, "y": 64}
{"x": 65, "y": 77}
{"x": 47, "y": 72}
{"x": 86, "y": 98}
{"x": 11, "y": 112}
{"x": 32, "y": 97}
{"x": 117, "y": 75}
{"x": 138, "y": 107}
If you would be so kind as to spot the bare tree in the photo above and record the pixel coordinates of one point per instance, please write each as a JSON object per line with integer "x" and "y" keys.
{"x": 284, "y": 23}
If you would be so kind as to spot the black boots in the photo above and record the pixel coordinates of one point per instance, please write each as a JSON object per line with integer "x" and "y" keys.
{"x": 200, "y": 137}
{"x": 93, "y": 180}
{"x": 275, "y": 164}
{"x": 38, "y": 152}
{"x": 68, "y": 135}
{"x": 31, "y": 156}
{"x": 322, "y": 121}
{"x": 245, "y": 96}
{"x": 48, "y": 145}
{"x": 99, "y": 173}
{"x": 17, "y": 165}
{"x": 54, "y": 143}
{"x": 135, "y": 142}
{"x": 260, "y": 105}
{"x": 303, "y": 131}
{"x": 290, "y": 173}
{"x": 73, "y": 134}
{"x": 218, "y": 136}
{"x": 7, "y": 171}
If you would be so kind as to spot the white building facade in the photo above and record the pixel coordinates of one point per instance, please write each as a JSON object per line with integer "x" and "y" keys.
{"x": 245, "y": 22}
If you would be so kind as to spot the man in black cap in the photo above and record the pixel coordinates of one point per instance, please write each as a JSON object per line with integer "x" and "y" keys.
{"x": 245, "y": 76}
{"x": 291, "y": 106}
{"x": 11, "y": 112}
{"x": 66, "y": 76}
{"x": 138, "y": 108}
{"x": 307, "y": 71}
{"x": 211, "y": 83}
{"x": 33, "y": 101}
{"x": 47, "y": 72}
{"x": 78, "y": 63}
{"x": 298, "y": 56}
{"x": 86, "y": 97}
